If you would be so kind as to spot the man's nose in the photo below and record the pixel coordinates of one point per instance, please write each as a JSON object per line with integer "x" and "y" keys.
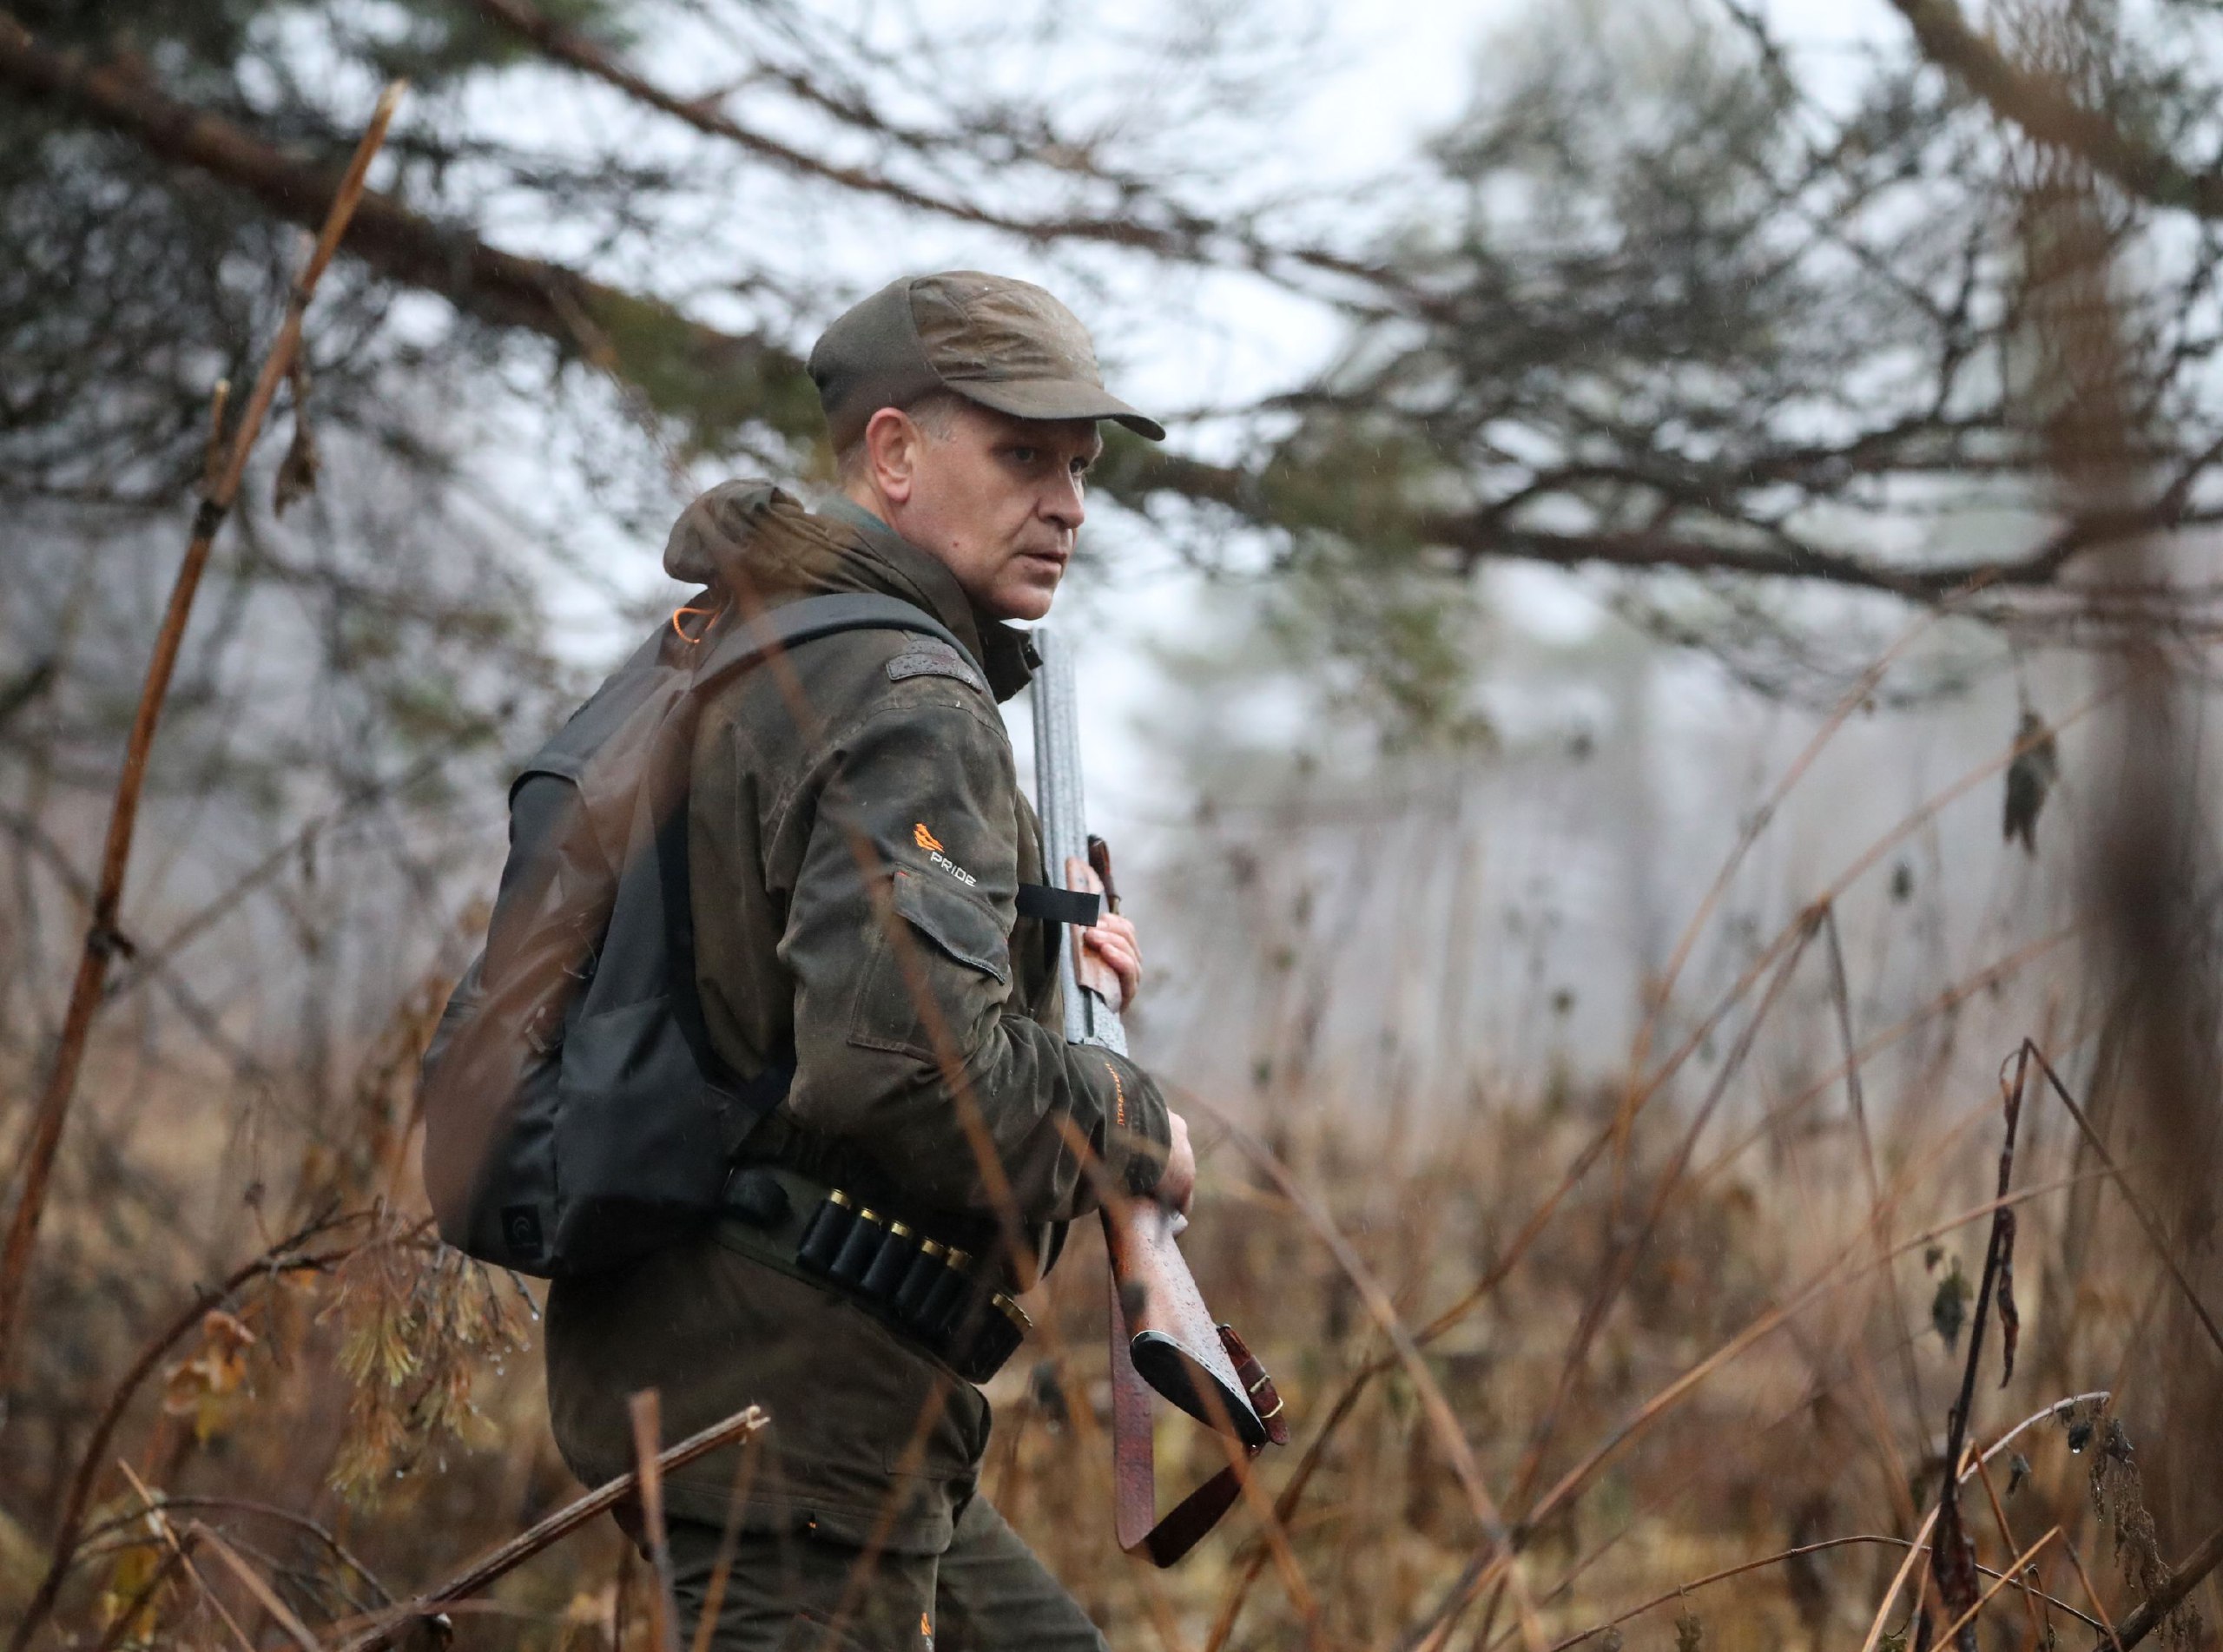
{"x": 1064, "y": 504}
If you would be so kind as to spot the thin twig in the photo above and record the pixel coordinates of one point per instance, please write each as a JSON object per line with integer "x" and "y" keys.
{"x": 648, "y": 1435}
{"x": 744, "y": 1476}
{"x": 1441, "y": 1421}
{"x": 1669, "y": 1597}
{"x": 290, "y": 1517}
{"x": 2190, "y": 1573}
{"x": 1757, "y": 823}
{"x": 1880, "y": 1209}
{"x": 1625, "y": 1250}
{"x": 257, "y": 1585}
{"x": 1675, "y": 1391}
{"x": 2007, "y": 1536}
{"x": 389, "y": 1625}
{"x": 1346, "y": 1403}
{"x": 2147, "y": 1223}
{"x": 127, "y": 1615}
{"x": 1921, "y": 1533}
{"x": 1969, "y": 1613}
{"x": 288, "y": 1256}
{"x": 1950, "y": 1555}
{"x": 1477, "y": 1574}
{"x": 168, "y": 1535}
{"x": 2091, "y": 1594}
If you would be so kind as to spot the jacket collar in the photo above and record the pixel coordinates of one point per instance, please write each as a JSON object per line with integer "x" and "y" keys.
{"x": 1004, "y": 653}
{"x": 751, "y": 536}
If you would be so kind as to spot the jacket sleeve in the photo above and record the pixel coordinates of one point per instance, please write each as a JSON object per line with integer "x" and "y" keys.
{"x": 909, "y": 1039}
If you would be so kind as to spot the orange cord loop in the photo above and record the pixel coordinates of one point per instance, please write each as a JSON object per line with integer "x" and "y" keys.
{"x": 711, "y": 614}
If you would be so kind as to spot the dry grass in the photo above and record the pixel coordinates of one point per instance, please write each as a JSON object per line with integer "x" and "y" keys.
{"x": 1695, "y": 1329}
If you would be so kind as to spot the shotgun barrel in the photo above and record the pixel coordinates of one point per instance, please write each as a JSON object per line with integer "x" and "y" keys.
{"x": 1089, "y": 1020}
{"x": 1174, "y": 1340}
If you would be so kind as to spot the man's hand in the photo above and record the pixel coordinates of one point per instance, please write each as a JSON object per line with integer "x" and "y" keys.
{"x": 1112, "y": 945}
{"x": 1109, "y": 962}
{"x": 1178, "y": 1185}
{"x": 1111, "y": 958}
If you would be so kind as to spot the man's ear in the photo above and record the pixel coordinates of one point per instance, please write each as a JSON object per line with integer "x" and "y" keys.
{"x": 892, "y": 453}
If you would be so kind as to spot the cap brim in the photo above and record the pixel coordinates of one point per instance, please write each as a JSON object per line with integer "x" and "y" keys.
{"x": 1056, "y": 399}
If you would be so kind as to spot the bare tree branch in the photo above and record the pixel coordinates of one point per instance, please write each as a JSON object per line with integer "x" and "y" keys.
{"x": 2044, "y": 110}
{"x": 1476, "y": 537}
{"x": 1185, "y": 234}
{"x": 2186, "y": 1576}
{"x": 720, "y": 380}
{"x": 292, "y": 1255}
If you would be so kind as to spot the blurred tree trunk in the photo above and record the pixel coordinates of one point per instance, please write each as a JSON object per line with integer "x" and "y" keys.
{"x": 2150, "y": 863}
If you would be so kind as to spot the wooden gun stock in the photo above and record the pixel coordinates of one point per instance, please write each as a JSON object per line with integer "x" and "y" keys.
{"x": 1164, "y": 1338}
{"x": 1172, "y": 1337}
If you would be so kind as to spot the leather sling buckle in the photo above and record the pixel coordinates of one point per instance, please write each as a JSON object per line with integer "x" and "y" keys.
{"x": 1163, "y": 1338}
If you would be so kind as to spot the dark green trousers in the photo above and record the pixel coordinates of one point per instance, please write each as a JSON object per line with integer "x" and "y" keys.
{"x": 799, "y": 1592}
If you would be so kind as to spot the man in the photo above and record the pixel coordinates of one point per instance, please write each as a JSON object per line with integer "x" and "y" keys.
{"x": 856, "y": 843}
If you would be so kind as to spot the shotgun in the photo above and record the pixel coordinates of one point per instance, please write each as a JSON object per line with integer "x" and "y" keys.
{"x": 1163, "y": 1336}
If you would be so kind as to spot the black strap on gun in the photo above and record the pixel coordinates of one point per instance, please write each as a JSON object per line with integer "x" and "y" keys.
{"x": 1079, "y": 907}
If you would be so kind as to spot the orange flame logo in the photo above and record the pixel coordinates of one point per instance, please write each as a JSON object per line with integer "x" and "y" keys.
{"x": 923, "y": 838}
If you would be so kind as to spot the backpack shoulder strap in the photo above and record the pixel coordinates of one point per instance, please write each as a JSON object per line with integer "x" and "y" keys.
{"x": 793, "y": 623}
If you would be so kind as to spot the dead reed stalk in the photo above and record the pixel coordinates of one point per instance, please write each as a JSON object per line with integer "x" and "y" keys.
{"x": 293, "y": 1255}
{"x": 391, "y": 1624}
{"x": 104, "y": 938}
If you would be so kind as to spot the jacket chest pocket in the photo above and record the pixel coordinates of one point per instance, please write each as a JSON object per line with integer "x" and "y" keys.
{"x": 954, "y": 922}
{"x": 940, "y": 961}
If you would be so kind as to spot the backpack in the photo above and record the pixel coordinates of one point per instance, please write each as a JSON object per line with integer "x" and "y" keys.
{"x": 574, "y": 1115}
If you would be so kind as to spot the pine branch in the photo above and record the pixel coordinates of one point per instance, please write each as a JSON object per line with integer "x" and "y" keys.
{"x": 574, "y": 49}
{"x": 718, "y": 382}
{"x": 2045, "y": 110}
{"x": 715, "y": 380}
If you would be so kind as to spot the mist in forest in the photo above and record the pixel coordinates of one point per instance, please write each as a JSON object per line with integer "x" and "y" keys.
{"x": 1653, "y": 714}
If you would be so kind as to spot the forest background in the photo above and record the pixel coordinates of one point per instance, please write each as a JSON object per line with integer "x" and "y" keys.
{"x": 1654, "y": 487}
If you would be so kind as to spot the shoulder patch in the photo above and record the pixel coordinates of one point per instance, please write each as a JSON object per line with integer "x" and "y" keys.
{"x": 929, "y": 656}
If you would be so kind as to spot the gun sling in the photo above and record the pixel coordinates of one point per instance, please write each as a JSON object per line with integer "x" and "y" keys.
{"x": 932, "y": 1295}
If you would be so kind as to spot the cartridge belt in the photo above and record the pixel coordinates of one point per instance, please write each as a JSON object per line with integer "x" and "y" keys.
{"x": 932, "y": 1295}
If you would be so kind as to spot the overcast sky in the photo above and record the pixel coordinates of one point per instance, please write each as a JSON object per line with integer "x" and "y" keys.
{"x": 1397, "y": 75}
{"x": 1410, "y": 72}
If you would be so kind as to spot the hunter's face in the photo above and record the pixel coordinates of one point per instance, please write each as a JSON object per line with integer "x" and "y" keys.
{"x": 999, "y": 501}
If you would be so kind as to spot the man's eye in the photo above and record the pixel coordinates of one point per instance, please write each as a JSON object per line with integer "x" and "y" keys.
{"x": 1025, "y": 455}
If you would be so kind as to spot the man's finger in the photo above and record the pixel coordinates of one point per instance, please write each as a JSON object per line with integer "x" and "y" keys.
{"x": 1111, "y": 943}
{"x": 1116, "y": 952}
{"x": 1109, "y": 953}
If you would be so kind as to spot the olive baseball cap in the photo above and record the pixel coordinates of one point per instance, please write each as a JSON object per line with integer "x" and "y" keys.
{"x": 1006, "y": 344}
